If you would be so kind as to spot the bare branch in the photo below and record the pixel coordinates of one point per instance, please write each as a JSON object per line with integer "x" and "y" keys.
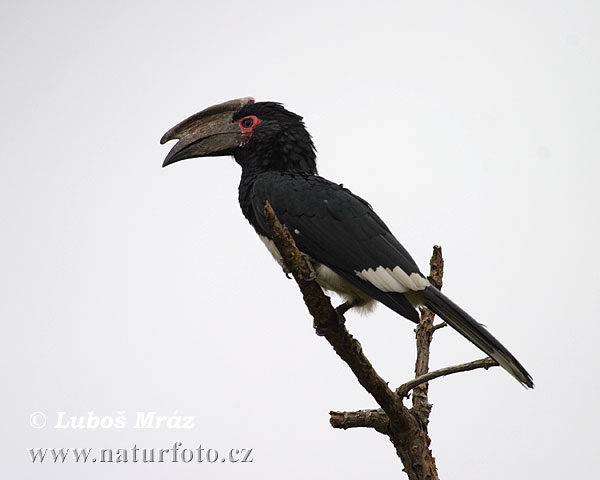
{"x": 424, "y": 334}
{"x": 486, "y": 363}
{"x": 436, "y": 265}
{"x": 376, "y": 419}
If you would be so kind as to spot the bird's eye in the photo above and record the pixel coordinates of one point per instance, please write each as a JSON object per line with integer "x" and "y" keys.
{"x": 247, "y": 122}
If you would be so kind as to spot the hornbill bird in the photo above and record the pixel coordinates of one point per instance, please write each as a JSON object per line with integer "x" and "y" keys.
{"x": 353, "y": 252}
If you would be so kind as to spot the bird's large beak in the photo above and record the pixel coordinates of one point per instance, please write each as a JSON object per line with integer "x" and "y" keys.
{"x": 209, "y": 133}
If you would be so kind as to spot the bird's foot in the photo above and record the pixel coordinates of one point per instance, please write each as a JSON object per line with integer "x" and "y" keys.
{"x": 310, "y": 277}
{"x": 310, "y": 274}
{"x": 341, "y": 321}
{"x": 307, "y": 274}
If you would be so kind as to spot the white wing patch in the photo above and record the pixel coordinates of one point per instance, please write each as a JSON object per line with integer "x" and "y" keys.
{"x": 384, "y": 278}
{"x": 393, "y": 280}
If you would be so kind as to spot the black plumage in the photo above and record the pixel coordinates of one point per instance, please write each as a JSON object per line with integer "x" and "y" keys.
{"x": 334, "y": 227}
{"x": 352, "y": 249}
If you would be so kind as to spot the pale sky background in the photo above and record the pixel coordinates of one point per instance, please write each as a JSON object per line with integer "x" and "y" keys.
{"x": 126, "y": 287}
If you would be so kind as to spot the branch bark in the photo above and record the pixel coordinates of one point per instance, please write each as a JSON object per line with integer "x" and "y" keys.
{"x": 376, "y": 419}
{"x": 424, "y": 334}
{"x": 486, "y": 363}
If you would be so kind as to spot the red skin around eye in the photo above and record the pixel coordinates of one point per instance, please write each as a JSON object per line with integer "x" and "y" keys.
{"x": 247, "y": 131}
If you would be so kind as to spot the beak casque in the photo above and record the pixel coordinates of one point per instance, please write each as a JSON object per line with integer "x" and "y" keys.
{"x": 209, "y": 133}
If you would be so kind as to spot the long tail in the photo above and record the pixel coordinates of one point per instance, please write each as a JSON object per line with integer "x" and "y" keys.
{"x": 476, "y": 333}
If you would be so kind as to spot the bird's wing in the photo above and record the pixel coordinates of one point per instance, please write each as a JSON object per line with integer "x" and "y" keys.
{"x": 340, "y": 230}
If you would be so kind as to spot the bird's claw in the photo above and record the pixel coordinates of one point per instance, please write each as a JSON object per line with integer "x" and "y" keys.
{"x": 311, "y": 276}
{"x": 341, "y": 321}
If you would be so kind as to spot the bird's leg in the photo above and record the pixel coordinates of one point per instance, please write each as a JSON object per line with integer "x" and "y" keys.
{"x": 344, "y": 307}
{"x": 340, "y": 310}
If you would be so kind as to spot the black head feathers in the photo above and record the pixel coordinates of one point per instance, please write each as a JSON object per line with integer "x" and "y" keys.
{"x": 278, "y": 140}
